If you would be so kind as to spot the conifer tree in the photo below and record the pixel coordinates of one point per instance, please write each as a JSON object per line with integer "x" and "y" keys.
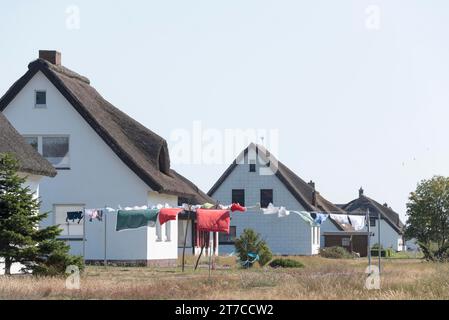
{"x": 21, "y": 239}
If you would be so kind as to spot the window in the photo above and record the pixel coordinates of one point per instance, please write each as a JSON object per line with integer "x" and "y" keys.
{"x": 41, "y": 99}
{"x": 224, "y": 238}
{"x": 32, "y": 141}
{"x": 238, "y": 196}
{"x": 53, "y": 148}
{"x": 345, "y": 242}
{"x": 252, "y": 166}
{"x": 372, "y": 222}
{"x": 56, "y": 151}
{"x": 67, "y": 217}
{"x": 266, "y": 197}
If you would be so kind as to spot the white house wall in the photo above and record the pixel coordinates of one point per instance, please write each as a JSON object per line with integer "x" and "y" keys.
{"x": 32, "y": 182}
{"x": 389, "y": 237}
{"x": 97, "y": 176}
{"x": 290, "y": 235}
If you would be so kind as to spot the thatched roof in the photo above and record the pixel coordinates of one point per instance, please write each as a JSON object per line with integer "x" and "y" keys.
{"x": 303, "y": 192}
{"x": 142, "y": 150}
{"x": 30, "y": 161}
{"x": 362, "y": 203}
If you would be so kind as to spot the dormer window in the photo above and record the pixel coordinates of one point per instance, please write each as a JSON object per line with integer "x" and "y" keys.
{"x": 40, "y": 99}
{"x": 164, "y": 160}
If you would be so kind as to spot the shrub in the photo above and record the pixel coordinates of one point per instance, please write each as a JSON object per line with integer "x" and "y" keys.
{"x": 335, "y": 253}
{"x": 250, "y": 243}
{"x": 285, "y": 263}
{"x": 57, "y": 263}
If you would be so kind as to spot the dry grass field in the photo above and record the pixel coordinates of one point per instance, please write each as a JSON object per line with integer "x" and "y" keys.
{"x": 320, "y": 279}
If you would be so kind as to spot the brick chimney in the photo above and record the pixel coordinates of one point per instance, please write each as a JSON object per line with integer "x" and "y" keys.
{"x": 360, "y": 192}
{"x": 51, "y": 56}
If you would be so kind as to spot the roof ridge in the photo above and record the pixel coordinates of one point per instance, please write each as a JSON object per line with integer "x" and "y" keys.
{"x": 59, "y": 69}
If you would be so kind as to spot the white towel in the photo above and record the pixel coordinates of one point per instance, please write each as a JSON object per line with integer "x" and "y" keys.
{"x": 358, "y": 222}
{"x": 283, "y": 212}
{"x": 270, "y": 209}
{"x": 340, "y": 218}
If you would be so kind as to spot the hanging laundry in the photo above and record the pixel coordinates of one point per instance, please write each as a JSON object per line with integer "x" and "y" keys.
{"x": 94, "y": 214}
{"x": 270, "y": 209}
{"x": 340, "y": 218}
{"x": 320, "y": 218}
{"x": 283, "y": 212}
{"x": 132, "y": 219}
{"x": 306, "y": 217}
{"x": 167, "y": 214}
{"x": 74, "y": 215}
{"x": 136, "y": 208}
{"x": 213, "y": 220}
{"x": 208, "y": 206}
{"x": 358, "y": 222}
{"x": 237, "y": 207}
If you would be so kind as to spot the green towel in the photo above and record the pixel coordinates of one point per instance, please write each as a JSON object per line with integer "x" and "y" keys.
{"x": 132, "y": 219}
{"x": 207, "y": 206}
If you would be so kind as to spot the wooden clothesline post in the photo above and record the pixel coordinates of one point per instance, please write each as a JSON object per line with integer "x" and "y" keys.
{"x": 105, "y": 237}
{"x": 185, "y": 240}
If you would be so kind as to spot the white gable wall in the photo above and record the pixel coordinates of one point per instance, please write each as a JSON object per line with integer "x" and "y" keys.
{"x": 289, "y": 235}
{"x": 97, "y": 176}
{"x": 389, "y": 238}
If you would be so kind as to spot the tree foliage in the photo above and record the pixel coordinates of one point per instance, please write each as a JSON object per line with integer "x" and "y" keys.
{"x": 21, "y": 239}
{"x": 250, "y": 243}
{"x": 428, "y": 218}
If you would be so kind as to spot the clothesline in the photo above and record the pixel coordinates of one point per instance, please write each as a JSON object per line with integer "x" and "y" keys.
{"x": 211, "y": 217}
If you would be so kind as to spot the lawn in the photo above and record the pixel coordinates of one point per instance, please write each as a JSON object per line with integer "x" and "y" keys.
{"x": 320, "y": 279}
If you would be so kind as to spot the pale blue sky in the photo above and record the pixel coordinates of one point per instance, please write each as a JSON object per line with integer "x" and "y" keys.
{"x": 354, "y": 107}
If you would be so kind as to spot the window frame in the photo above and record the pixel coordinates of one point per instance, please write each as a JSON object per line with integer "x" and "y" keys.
{"x": 252, "y": 166}
{"x": 228, "y": 240}
{"x": 68, "y": 235}
{"x": 232, "y": 196}
{"x": 262, "y": 191}
{"x": 40, "y": 105}
{"x": 40, "y": 146}
{"x": 372, "y": 222}
{"x": 65, "y": 167}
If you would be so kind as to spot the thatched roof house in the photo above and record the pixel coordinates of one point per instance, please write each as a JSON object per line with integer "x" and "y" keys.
{"x": 142, "y": 150}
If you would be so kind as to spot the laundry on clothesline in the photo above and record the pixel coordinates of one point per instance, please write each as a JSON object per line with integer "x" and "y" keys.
{"x": 237, "y": 207}
{"x": 340, "y": 218}
{"x": 358, "y": 222}
{"x": 207, "y": 206}
{"x": 280, "y": 211}
{"x": 167, "y": 214}
{"x": 270, "y": 209}
{"x": 133, "y": 219}
{"x": 94, "y": 214}
{"x": 213, "y": 220}
{"x": 74, "y": 215}
{"x": 306, "y": 217}
{"x": 320, "y": 218}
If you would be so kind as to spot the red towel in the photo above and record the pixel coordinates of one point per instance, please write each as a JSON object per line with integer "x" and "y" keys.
{"x": 237, "y": 207}
{"x": 167, "y": 214}
{"x": 213, "y": 220}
